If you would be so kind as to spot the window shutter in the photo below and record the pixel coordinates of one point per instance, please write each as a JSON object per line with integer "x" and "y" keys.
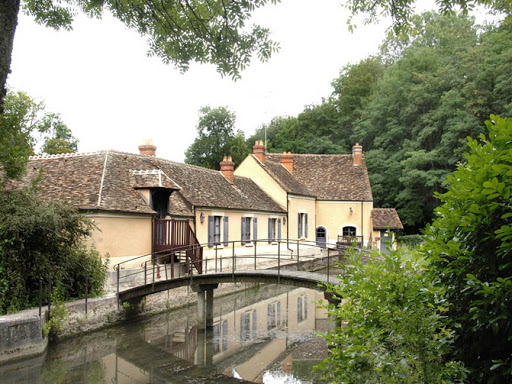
{"x": 306, "y": 225}
{"x": 244, "y": 230}
{"x": 211, "y": 230}
{"x": 226, "y": 230}
{"x": 255, "y": 228}
{"x": 279, "y": 229}
{"x": 300, "y": 227}
{"x": 270, "y": 231}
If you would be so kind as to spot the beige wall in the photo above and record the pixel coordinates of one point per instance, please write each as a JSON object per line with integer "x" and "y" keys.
{"x": 334, "y": 215}
{"x": 251, "y": 168}
{"x": 121, "y": 236}
{"x": 235, "y": 225}
{"x": 296, "y": 205}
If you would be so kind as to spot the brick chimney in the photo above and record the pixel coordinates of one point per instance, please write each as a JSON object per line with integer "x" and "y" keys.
{"x": 259, "y": 151}
{"x": 147, "y": 148}
{"x": 357, "y": 155}
{"x": 287, "y": 161}
{"x": 227, "y": 168}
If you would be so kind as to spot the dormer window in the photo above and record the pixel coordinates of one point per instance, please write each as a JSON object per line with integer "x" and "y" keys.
{"x": 159, "y": 202}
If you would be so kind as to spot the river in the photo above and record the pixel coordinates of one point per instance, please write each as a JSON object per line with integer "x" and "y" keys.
{"x": 266, "y": 334}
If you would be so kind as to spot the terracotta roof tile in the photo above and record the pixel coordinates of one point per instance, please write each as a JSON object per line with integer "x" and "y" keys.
{"x": 328, "y": 177}
{"x": 109, "y": 180}
{"x": 386, "y": 218}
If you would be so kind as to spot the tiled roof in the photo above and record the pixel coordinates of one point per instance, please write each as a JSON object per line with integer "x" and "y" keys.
{"x": 386, "y": 218}
{"x": 108, "y": 180}
{"x": 327, "y": 177}
{"x": 179, "y": 206}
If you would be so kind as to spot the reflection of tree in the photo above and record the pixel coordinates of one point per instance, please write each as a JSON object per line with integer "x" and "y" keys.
{"x": 91, "y": 373}
{"x": 54, "y": 373}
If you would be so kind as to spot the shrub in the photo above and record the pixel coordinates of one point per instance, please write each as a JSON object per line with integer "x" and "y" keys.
{"x": 470, "y": 248}
{"x": 39, "y": 239}
{"x": 394, "y": 329}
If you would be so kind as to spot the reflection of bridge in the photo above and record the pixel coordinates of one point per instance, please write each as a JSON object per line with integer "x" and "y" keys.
{"x": 208, "y": 279}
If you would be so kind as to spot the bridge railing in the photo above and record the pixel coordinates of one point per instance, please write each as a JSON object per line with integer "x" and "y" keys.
{"x": 229, "y": 256}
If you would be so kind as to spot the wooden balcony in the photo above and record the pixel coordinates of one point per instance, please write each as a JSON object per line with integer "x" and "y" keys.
{"x": 349, "y": 241}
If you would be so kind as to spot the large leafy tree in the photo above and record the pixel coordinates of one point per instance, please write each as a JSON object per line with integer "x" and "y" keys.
{"x": 470, "y": 247}
{"x": 178, "y": 31}
{"x": 206, "y": 31}
{"x": 22, "y": 121}
{"x": 439, "y": 91}
{"x": 216, "y": 138}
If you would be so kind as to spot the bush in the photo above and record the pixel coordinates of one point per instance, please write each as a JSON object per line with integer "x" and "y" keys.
{"x": 38, "y": 240}
{"x": 394, "y": 329}
{"x": 470, "y": 247}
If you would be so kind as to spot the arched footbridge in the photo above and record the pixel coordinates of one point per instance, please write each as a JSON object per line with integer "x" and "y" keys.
{"x": 303, "y": 279}
{"x": 190, "y": 266}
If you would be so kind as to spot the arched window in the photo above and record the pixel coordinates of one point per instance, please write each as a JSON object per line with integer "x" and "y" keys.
{"x": 321, "y": 236}
{"x": 349, "y": 231}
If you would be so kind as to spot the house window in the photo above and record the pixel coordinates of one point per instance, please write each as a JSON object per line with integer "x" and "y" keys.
{"x": 248, "y": 325}
{"x": 273, "y": 315}
{"x": 302, "y": 308}
{"x": 214, "y": 230}
{"x": 349, "y": 231}
{"x": 303, "y": 225}
{"x": 272, "y": 230}
{"x": 220, "y": 337}
{"x": 249, "y": 229}
{"x": 159, "y": 202}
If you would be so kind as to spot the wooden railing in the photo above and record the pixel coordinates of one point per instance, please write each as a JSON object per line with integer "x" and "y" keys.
{"x": 170, "y": 236}
{"x": 349, "y": 241}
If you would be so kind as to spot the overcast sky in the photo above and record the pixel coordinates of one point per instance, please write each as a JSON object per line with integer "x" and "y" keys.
{"x": 112, "y": 96}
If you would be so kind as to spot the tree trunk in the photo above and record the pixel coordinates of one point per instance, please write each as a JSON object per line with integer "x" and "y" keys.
{"x": 8, "y": 22}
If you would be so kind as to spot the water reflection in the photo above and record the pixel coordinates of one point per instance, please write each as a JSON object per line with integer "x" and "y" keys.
{"x": 260, "y": 335}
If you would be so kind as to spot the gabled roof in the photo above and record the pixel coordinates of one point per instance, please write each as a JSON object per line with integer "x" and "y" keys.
{"x": 327, "y": 177}
{"x": 386, "y": 218}
{"x": 108, "y": 180}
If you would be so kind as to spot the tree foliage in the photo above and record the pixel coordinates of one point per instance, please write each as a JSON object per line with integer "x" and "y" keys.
{"x": 216, "y": 138}
{"x": 393, "y": 325}
{"x": 23, "y": 120}
{"x": 470, "y": 247}
{"x": 43, "y": 239}
{"x": 411, "y": 108}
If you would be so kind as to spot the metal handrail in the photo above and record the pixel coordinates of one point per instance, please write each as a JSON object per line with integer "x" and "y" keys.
{"x": 189, "y": 263}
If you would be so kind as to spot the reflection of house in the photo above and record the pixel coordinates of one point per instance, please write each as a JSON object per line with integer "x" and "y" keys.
{"x": 143, "y": 204}
{"x": 328, "y": 198}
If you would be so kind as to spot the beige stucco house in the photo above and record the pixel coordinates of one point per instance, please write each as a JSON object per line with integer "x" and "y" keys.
{"x": 139, "y": 202}
{"x": 142, "y": 204}
{"x": 327, "y": 198}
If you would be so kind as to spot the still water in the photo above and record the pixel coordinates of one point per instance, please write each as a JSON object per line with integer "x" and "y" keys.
{"x": 263, "y": 335}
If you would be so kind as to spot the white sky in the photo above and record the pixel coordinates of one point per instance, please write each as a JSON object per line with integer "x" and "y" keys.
{"x": 112, "y": 96}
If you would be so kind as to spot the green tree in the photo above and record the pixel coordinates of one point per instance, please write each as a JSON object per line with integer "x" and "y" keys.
{"x": 22, "y": 119}
{"x": 178, "y": 31}
{"x": 430, "y": 98}
{"x": 393, "y": 328}
{"x": 216, "y": 139}
{"x": 58, "y": 137}
{"x": 470, "y": 247}
{"x": 41, "y": 239}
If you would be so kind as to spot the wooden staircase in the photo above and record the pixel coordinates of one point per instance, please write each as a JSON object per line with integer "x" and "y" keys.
{"x": 175, "y": 239}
